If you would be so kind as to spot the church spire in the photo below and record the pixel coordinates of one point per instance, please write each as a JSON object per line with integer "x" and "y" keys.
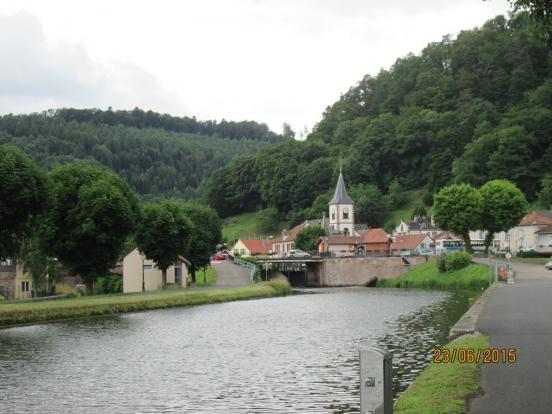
{"x": 340, "y": 195}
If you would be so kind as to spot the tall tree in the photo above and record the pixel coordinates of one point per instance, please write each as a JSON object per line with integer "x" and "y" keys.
{"x": 163, "y": 233}
{"x": 545, "y": 195}
{"x": 23, "y": 196}
{"x": 307, "y": 238}
{"x": 204, "y": 236}
{"x": 457, "y": 208}
{"x": 93, "y": 212}
{"x": 503, "y": 206}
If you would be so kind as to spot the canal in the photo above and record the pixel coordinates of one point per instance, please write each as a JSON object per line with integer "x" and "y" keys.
{"x": 282, "y": 355}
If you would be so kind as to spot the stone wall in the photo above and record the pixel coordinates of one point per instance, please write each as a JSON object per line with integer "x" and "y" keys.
{"x": 358, "y": 271}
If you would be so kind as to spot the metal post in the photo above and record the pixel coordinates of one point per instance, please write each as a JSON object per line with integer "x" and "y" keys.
{"x": 376, "y": 394}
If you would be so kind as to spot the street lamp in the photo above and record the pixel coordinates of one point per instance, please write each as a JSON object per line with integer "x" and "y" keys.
{"x": 143, "y": 256}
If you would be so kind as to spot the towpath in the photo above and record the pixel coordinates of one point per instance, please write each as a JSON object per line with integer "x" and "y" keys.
{"x": 230, "y": 274}
{"x": 519, "y": 316}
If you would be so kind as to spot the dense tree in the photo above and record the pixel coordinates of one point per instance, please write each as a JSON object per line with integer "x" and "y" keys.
{"x": 503, "y": 205}
{"x": 419, "y": 211}
{"x": 204, "y": 236}
{"x": 42, "y": 268}
{"x": 396, "y": 194}
{"x": 457, "y": 208}
{"x": 545, "y": 195}
{"x": 266, "y": 220}
{"x": 93, "y": 212}
{"x": 156, "y": 162}
{"x": 23, "y": 196}
{"x": 370, "y": 206}
{"x": 163, "y": 233}
{"x": 307, "y": 238}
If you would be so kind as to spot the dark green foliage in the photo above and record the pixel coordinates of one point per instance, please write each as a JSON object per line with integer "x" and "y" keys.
{"x": 503, "y": 206}
{"x": 419, "y": 211}
{"x": 204, "y": 236}
{"x": 93, "y": 213}
{"x": 108, "y": 284}
{"x": 428, "y": 199}
{"x": 307, "y": 238}
{"x": 441, "y": 264}
{"x": 156, "y": 162}
{"x": 267, "y": 220}
{"x": 545, "y": 195}
{"x": 370, "y": 206}
{"x": 456, "y": 261}
{"x": 396, "y": 194}
{"x": 527, "y": 254}
{"x": 163, "y": 233}
{"x": 34, "y": 261}
{"x": 458, "y": 209}
{"x": 23, "y": 196}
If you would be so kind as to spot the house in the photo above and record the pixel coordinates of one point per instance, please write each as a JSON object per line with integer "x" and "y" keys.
{"x": 544, "y": 240}
{"x": 407, "y": 243}
{"x": 477, "y": 240}
{"x": 372, "y": 242}
{"x": 252, "y": 247}
{"x": 418, "y": 225}
{"x": 527, "y": 234}
{"x": 283, "y": 244}
{"x": 376, "y": 241}
{"x": 14, "y": 282}
{"x": 138, "y": 270}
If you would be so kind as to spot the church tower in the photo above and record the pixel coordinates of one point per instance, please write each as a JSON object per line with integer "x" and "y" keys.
{"x": 342, "y": 209}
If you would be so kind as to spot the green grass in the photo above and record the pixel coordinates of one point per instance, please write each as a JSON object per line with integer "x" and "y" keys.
{"x": 244, "y": 226}
{"x": 29, "y": 312}
{"x": 210, "y": 274}
{"x": 405, "y": 212}
{"x": 426, "y": 276}
{"x": 531, "y": 260}
{"x": 444, "y": 388}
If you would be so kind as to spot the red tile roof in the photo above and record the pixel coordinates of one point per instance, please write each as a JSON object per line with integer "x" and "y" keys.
{"x": 545, "y": 230}
{"x": 446, "y": 235}
{"x": 537, "y": 217}
{"x": 377, "y": 235}
{"x": 256, "y": 246}
{"x": 340, "y": 239}
{"x": 408, "y": 241}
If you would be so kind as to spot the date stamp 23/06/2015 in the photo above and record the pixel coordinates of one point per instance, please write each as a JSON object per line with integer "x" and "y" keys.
{"x": 471, "y": 355}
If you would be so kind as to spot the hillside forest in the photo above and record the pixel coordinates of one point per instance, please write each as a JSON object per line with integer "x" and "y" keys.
{"x": 467, "y": 109}
{"x": 160, "y": 156}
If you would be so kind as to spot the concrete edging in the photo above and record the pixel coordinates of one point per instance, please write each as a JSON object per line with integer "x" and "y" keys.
{"x": 468, "y": 322}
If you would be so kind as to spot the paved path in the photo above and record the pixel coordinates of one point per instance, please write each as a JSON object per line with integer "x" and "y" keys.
{"x": 519, "y": 316}
{"x": 230, "y": 274}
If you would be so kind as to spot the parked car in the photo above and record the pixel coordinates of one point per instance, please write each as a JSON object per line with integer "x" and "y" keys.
{"x": 527, "y": 248}
{"x": 298, "y": 254}
{"x": 548, "y": 265}
{"x": 219, "y": 256}
{"x": 424, "y": 252}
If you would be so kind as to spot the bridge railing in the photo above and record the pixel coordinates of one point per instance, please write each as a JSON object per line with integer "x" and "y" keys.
{"x": 249, "y": 265}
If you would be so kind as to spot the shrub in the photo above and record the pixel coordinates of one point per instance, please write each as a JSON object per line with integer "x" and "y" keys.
{"x": 109, "y": 284}
{"x": 428, "y": 199}
{"x": 528, "y": 254}
{"x": 441, "y": 265}
{"x": 281, "y": 286}
{"x": 457, "y": 260}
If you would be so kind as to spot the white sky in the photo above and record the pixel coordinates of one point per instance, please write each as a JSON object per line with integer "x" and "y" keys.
{"x": 265, "y": 60}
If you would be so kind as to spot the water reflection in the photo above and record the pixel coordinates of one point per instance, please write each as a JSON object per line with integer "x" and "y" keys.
{"x": 285, "y": 355}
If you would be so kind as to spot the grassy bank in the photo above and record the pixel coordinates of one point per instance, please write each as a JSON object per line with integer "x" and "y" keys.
{"x": 29, "y": 312}
{"x": 209, "y": 279}
{"x": 427, "y": 276}
{"x": 444, "y": 388}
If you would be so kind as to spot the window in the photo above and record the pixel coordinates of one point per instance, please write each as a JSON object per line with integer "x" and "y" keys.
{"x": 345, "y": 213}
{"x": 508, "y": 235}
{"x": 24, "y": 286}
{"x": 520, "y": 234}
{"x": 148, "y": 268}
{"x": 346, "y": 231}
{"x": 333, "y": 214}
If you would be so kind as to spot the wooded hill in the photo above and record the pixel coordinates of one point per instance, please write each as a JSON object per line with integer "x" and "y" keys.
{"x": 159, "y": 155}
{"x": 470, "y": 109}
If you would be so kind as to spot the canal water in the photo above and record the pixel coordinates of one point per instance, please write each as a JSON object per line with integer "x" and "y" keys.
{"x": 294, "y": 354}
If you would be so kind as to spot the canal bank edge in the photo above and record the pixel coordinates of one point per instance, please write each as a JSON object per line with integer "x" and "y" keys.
{"x": 468, "y": 322}
{"x": 21, "y": 314}
{"x": 445, "y": 387}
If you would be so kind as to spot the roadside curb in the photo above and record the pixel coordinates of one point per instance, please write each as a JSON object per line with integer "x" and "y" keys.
{"x": 468, "y": 322}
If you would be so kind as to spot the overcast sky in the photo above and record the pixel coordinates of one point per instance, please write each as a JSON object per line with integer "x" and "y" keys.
{"x": 265, "y": 60}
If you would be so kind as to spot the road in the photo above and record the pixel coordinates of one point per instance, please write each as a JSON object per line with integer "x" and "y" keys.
{"x": 519, "y": 316}
{"x": 230, "y": 274}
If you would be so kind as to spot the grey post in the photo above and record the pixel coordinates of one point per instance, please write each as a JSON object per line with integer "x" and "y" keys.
{"x": 376, "y": 394}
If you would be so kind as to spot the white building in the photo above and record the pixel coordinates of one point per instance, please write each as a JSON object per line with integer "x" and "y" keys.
{"x": 342, "y": 209}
